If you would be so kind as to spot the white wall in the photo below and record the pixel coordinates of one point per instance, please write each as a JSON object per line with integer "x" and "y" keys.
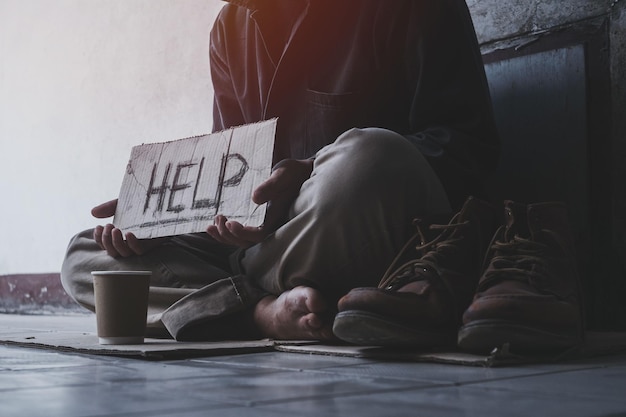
{"x": 81, "y": 82}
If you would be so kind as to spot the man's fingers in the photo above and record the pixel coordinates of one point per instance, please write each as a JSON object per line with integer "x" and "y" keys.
{"x": 249, "y": 235}
{"x": 282, "y": 181}
{"x": 212, "y": 231}
{"x": 268, "y": 189}
{"x": 104, "y": 210}
{"x": 112, "y": 241}
{"x": 219, "y": 231}
{"x": 233, "y": 233}
{"x": 237, "y": 237}
{"x": 120, "y": 245}
{"x": 97, "y": 236}
{"x": 226, "y": 234}
{"x": 107, "y": 242}
{"x": 286, "y": 179}
{"x": 135, "y": 245}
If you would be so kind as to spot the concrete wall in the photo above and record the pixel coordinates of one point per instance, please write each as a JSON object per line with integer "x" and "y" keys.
{"x": 589, "y": 160}
{"x": 504, "y": 19}
{"x": 81, "y": 82}
{"x": 618, "y": 95}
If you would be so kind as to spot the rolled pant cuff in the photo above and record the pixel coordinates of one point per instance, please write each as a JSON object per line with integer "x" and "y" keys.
{"x": 221, "y": 310}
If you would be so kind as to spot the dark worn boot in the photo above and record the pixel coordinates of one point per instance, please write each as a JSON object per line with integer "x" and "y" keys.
{"x": 420, "y": 303}
{"x": 529, "y": 294}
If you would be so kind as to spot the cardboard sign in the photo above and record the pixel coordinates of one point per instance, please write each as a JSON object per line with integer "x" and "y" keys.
{"x": 178, "y": 187}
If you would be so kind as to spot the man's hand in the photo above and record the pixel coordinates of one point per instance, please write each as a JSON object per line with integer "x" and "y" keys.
{"x": 111, "y": 239}
{"x": 279, "y": 191}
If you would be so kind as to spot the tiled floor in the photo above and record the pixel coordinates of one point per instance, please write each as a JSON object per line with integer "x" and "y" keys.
{"x": 36, "y": 382}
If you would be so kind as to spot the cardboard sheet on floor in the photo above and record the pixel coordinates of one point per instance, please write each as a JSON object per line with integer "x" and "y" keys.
{"x": 596, "y": 344}
{"x": 153, "y": 349}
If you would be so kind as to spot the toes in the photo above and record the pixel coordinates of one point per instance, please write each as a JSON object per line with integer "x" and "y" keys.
{"x": 312, "y": 322}
{"x": 315, "y": 327}
{"x": 301, "y": 313}
{"x": 311, "y": 300}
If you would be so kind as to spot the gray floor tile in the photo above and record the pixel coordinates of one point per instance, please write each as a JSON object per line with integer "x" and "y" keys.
{"x": 37, "y": 382}
{"x": 208, "y": 411}
{"x": 281, "y": 360}
{"x": 437, "y": 373}
{"x": 97, "y": 400}
{"x": 600, "y": 384}
{"x": 451, "y": 401}
{"x": 275, "y": 387}
{"x": 19, "y": 359}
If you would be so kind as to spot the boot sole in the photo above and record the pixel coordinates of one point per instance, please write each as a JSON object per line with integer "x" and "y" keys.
{"x": 367, "y": 329}
{"x": 483, "y": 336}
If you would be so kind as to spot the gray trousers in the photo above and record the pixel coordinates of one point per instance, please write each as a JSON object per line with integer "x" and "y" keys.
{"x": 350, "y": 219}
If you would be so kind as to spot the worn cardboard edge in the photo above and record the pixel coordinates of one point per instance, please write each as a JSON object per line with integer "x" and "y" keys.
{"x": 163, "y": 141}
{"x": 596, "y": 345}
{"x": 152, "y": 349}
{"x": 388, "y": 354}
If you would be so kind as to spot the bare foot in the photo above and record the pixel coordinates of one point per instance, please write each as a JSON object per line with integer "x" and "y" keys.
{"x": 295, "y": 314}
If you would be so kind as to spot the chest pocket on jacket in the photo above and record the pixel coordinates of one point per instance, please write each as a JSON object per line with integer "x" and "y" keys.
{"x": 328, "y": 115}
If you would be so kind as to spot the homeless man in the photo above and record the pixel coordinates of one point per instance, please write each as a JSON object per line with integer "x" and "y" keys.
{"x": 383, "y": 115}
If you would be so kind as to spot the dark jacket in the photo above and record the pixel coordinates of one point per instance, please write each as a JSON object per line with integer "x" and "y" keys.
{"x": 411, "y": 66}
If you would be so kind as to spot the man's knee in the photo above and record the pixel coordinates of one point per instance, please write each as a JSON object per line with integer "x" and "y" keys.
{"x": 77, "y": 266}
{"x": 375, "y": 149}
{"x": 373, "y": 157}
{"x": 70, "y": 262}
{"x": 372, "y": 168}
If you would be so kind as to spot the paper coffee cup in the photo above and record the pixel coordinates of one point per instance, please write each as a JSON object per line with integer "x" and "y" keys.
{"x": 121, "y": 306}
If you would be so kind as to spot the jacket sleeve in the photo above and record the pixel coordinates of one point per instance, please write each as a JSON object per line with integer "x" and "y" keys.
{"x": 226, "y": 109}
{"x": 450, "y": 118}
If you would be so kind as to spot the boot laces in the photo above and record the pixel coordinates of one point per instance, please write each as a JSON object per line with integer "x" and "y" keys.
{"x": 428, "y": 253}
{"x": 518, "y": 259}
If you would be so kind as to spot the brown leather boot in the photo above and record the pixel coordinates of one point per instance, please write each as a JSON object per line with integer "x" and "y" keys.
{"x": 420, "y": 303}
{"x": 529, "y": 294}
